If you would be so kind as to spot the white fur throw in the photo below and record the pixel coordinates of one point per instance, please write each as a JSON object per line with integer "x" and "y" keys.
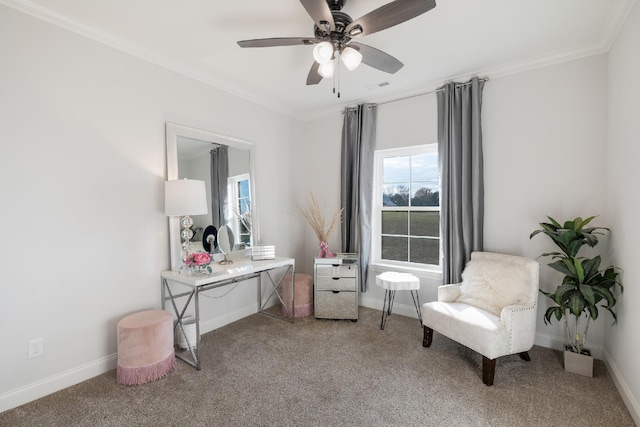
{"x": 494, "y": 284}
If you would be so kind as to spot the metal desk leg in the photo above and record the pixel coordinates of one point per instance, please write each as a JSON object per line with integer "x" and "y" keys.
{"x": 195, "y": 355}
{"x": 274, "y": 291}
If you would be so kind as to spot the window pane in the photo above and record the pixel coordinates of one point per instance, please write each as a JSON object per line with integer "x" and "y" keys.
{"x": 424, "y": 194}
{"x": 395, "y": 169}
{"x": 425, "y": 251}
{"x": 394, "y": 248}
{"x": 395, "y": 222}
{"x": 425, "y": 224}
{"x": 243, "y": 188}
{"x": 395, "y": 194}
{"x": 424, "y": 167}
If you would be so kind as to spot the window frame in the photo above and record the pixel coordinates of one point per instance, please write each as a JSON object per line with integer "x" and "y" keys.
{"x": 234, "y": 198}
{"x": 378, "y": 208}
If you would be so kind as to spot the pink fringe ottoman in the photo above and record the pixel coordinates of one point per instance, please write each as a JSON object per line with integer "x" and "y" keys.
{"x": 303, "y": 291}
{"x": 145, "y": 347}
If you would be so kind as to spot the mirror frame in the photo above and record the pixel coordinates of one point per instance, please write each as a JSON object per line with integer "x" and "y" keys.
{"x": 172, "y": 132}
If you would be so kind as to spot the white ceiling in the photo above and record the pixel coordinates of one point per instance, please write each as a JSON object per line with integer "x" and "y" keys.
{"x": 456, "y": 40}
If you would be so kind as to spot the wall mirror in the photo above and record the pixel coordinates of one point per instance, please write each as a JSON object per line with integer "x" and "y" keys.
{"x": 189, "y": 155}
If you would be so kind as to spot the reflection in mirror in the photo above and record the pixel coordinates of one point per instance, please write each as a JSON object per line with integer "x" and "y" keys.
{"x": 214, "y": 158}
{"x": 226, "y": 243}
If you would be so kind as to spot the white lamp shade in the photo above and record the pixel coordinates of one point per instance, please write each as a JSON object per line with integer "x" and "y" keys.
{"x": 351, "y": 58}
{"x": 326, "y": 70}
{"x": 185, "y": 197}
{"x": 323, "y": 52}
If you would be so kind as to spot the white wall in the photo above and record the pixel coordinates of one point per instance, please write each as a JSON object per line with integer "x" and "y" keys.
{"x": 84, "y": 237}
{"x": 623, "y": 173}
{"x": 544, "y": 147}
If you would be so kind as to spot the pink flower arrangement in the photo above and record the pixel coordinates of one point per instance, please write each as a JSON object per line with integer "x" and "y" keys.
{"x": 200, "y": 260}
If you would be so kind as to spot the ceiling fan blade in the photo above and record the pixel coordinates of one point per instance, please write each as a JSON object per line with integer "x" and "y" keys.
{"x": 278, "y": 41}
{"x": 386, "y": 16}
{"x": 377, "y": 59}
{"x": 320, "y": 13}
{"x": 314, "y": 77}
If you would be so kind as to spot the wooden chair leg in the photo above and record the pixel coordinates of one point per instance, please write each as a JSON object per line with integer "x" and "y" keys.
{"x": 427, "y": 336}
{"x": 525, "y": 356}
{"x": 488, "y": 370}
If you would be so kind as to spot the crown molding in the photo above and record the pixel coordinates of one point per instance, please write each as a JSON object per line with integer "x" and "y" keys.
{"x": 136, "y": 50}
{"x": 615, "y": 21}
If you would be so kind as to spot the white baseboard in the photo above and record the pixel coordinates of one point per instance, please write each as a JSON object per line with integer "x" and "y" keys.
{"x": 218, "y": 322}
{"x": 62, "y": 380}
{"x": 625, "y": 392}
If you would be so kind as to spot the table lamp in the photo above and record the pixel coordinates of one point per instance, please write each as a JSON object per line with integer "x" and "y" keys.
{"x": 184, "y": 197}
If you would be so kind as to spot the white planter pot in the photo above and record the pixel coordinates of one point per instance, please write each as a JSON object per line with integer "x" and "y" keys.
{"x": 189, "y": 324}
{"x": 577, "y": 363}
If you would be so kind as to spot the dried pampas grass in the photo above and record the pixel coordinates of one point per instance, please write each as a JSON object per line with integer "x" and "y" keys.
{"x": 315, "y": 218}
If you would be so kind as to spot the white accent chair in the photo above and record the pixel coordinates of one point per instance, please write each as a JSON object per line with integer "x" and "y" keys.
{"x": 492, "y": 311}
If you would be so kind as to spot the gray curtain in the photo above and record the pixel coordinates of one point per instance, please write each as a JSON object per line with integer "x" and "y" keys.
{"x": 460, "y": 154}
{"x": 356, "y": 183}
{"x": 219, "y": 176}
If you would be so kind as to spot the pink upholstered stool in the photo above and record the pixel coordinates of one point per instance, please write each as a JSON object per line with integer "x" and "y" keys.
{"x": 303, "y": 291}
{"x": 145, "y": 347}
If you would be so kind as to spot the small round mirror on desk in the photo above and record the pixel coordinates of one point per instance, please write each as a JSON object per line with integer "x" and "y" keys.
{"x": 225, "y": 243}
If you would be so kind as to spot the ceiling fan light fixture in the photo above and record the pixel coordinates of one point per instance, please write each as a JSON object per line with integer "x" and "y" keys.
{"x": 351, "y": 58}
{"x": 323, "y": 52}
{"x": 355, "y": 31}
{"x": 326, "y": 70}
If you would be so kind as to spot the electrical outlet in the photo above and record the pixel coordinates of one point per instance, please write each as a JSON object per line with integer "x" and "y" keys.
{"x": 36, "y": 348}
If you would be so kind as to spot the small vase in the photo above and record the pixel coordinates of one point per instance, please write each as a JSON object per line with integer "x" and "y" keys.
{"x": 201, "y": 269}
{"x": 325, "y": 252}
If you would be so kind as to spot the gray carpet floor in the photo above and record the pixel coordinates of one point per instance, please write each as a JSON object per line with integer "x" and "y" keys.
{"x": 261, "y": 371}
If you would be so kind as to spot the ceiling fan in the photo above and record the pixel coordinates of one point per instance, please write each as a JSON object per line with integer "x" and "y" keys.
{"x": 334, "y": 31}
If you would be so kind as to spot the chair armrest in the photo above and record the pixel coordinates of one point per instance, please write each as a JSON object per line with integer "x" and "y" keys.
{"x": 448, "y": 293}
{"x": 520, "y": 322}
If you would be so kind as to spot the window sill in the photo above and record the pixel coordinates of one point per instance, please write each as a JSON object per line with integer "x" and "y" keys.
{"x": 423, "y": 273}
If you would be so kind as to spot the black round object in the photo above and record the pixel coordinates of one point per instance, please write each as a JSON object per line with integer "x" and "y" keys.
{"x": 210, "y": 244}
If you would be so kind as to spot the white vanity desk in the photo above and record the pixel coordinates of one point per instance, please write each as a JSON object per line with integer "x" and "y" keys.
{"x": 176, "y": 285}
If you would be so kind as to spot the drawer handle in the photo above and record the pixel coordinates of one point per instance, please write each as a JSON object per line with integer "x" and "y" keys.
{"x": 336, "y": 265}
{"x": 335, "y": 278}
{"x": 336, "y": 292}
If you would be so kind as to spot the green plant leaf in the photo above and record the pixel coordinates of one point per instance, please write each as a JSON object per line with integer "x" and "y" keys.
{"x": 590, "y": 267}
{"x": 563, "y": 294}
{"x": 588, "y": 294}
{"x": 604, "y": 294}
{"x": 579, "y": 270}
{"x": 563, "y": 267}
{"x": 556, "y": 311}
{"x": 576, "y": 303}
{"x": 554, "y": 222}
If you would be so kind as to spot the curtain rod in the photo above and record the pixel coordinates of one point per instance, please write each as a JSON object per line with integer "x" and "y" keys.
{"x": 483, "y": 79}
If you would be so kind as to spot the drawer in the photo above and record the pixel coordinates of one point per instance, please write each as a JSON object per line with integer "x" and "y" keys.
{"x": 336, "y": 283}
{"x": 343, "y": 270}
{"x": 336, "y": 305}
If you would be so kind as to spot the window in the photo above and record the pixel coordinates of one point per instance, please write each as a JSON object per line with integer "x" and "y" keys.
{"x": 240, "y": 202}
{"x": 406, "y": 209}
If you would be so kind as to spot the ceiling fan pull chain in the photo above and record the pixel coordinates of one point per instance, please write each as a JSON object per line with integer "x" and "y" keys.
{"x": 333, "y": 78}
{"x": 338, "y": 73}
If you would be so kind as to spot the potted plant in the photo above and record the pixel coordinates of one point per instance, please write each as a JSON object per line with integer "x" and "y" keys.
{"x": 585, "y": 288}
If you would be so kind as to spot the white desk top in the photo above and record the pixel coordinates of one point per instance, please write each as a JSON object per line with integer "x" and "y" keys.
{"x": 241, "y": 266}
